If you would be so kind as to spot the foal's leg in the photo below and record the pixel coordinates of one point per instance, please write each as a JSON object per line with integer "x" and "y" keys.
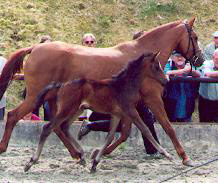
{"x": 12, "y": 118}
{"x": 47, "y": 129}
{"x": 114, "y": 123}
{"x": 76, "y": 148}
{"x": 155, "y": 103}
{"x": 60, "y": 131}
{"x": 124, "y": 134}
{"x": 146, "y": 132}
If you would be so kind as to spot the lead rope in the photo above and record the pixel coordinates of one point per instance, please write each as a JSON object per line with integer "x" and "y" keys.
{"x": 203, "y": 164}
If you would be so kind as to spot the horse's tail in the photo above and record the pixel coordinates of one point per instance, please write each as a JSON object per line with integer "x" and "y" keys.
{"x": 12, "y": 66}
{"x": 40, "y": 98}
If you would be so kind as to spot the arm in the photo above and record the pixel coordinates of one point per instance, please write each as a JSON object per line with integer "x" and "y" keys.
{"x": 180, "y": 72}
{"x": 211, "y": 74}
{"x": 18, "y": 77}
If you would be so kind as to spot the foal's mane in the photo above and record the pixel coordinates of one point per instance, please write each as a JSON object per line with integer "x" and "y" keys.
{"x": 129, "y": 76}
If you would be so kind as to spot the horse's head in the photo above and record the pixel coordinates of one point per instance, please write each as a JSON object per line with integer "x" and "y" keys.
{"x": 188, "y": 45}
{"x": 153, "y": 68}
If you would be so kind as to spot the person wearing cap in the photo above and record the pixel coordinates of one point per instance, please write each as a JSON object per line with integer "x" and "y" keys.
{"x": 208, "y": 92}
{"x": 101, "y": 122}
{"x": 3, "y": 100}
{"x": 210, "y": 48}
{"x": 179, "y": 99}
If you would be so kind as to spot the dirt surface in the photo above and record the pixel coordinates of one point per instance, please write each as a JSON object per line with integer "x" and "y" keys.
{"x": 124, "y": 165}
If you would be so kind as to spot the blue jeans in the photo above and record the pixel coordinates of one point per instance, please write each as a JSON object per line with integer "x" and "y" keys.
{"x": 47, "y": 113}
{"x": 2, "y": 113}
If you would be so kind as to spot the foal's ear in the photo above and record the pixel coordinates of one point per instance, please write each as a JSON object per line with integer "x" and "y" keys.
{"x": 156, "y": 55}
{"x": 191, "y": 22}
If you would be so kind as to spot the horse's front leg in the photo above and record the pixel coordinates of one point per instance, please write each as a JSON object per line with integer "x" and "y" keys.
{"x": 155, "y": 103}
{"x": 125, "y": 132}
{"x": 146, "y": 132}
{"x": 98, "y": 153}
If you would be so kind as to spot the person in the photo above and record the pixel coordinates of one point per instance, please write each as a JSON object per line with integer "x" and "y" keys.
{"x": 101, "y": 122}
{"x": 208, "y": 92}
{"x": 179, "y": 99}
{"x": 89, "y": 40}
{"x": 3, "y": 100}
{"x": 35, "y": 114}
{"x": 46, "y": 110}
{"x": 210, "y": 48}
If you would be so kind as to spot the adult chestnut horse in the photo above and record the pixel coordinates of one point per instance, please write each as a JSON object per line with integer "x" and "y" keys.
{"x": 58, "y": 61}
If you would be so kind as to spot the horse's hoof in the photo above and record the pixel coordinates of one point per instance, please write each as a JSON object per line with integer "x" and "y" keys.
{"x": 94, "y": 153}
{"x": 2, "y": 149}
{"x": 189, "y": 162}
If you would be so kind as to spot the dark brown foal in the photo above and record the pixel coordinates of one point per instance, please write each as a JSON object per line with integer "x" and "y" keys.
{"x": 117, "y": 96}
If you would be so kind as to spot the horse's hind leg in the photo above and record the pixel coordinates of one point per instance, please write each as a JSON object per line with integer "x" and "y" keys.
{"x": 125, "y": 131}
{"x": 12, "y": 118}
{"x": 109, "y": 139}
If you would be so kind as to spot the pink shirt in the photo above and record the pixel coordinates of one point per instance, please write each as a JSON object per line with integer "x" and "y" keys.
{"x": 34, "y": 117}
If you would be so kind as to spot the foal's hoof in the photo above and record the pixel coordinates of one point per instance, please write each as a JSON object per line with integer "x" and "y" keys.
{"x": 92, "y": 170}
{"x": 169, "y": 157}
{"x": 94, "y": 153}
{"x": 82, "y": 162}
{"x": 27, "y": 167}
{"x": 189, "y": 162}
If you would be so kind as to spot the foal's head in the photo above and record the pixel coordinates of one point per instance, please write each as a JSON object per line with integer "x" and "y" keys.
{"x": 153, "y": 69}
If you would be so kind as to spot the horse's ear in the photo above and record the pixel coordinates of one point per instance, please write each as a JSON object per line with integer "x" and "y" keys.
{"x": 191, "y": 22}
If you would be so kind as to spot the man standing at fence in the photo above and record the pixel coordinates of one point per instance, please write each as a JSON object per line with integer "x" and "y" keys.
{"x": 208, "y": 92}
{"x": 179, "y": 100}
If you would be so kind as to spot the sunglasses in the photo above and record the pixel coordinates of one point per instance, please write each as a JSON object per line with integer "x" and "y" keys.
{"x": 89, "y": 42}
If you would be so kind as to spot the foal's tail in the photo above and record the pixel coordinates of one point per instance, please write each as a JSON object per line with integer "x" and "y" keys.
{"x": 13, "y": 65}
{"x": 40, "y": 98}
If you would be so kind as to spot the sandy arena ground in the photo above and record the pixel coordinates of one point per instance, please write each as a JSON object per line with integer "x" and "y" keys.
{"x": 126, "y": 164}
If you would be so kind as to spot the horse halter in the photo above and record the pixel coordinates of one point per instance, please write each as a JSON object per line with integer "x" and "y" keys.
{"x": 194, "y": 58}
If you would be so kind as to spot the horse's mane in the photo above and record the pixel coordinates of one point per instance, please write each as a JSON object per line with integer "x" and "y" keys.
{"x": 157, "y": 31}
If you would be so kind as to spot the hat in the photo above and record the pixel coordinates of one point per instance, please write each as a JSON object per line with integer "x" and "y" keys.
{"x": 175, "y": 53}
{"x": 215, "y": 34}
